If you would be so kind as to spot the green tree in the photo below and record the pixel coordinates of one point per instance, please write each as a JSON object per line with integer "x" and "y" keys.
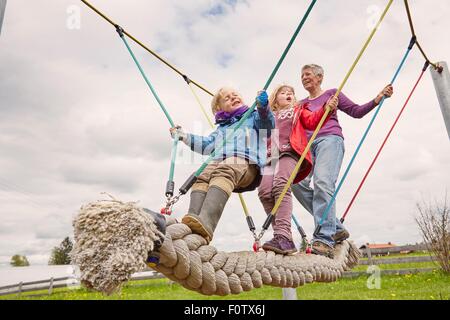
{"x": 18, "y": 260}
{"x": 61, "y": 255}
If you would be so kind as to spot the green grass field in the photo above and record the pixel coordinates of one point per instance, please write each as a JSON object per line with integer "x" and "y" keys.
{"x": 425, "y": 286}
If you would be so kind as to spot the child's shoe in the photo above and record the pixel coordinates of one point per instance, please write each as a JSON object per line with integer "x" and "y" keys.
{"x": 280, "y": 244}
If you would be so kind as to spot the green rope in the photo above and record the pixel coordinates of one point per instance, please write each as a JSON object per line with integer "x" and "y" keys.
{"x": 249, "y": 111}
{"x": 146, "y": 80}
{"x": 173, "y": 158}
{"x": 175, "y": 140}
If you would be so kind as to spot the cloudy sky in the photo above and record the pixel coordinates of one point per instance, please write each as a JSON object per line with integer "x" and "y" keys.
{"x": 76, "y": 118}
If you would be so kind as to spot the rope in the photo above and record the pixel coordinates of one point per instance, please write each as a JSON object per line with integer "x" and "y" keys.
{"x": 163, "y": 108}
{"x": 201, "y": 106}
{"x": 319, "y": 126}
{"x": 384, "y": 142}
{"x": 170, "y": 186}
{"x": 113, "y": 240}
{"x": 143, "y": 46}
{"x": 333, "y": 198}
{"x": 189, "y": 81}
{"x": 408, "y": 12}
{"x": 269, "y": 80}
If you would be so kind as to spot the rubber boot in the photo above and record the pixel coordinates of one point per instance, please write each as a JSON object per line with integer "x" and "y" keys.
{"x": 195, "y": 205}
{"x": 196, "y": 202}
{"x": 210, "y": 214}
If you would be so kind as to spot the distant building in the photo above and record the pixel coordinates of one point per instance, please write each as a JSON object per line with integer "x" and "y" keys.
{"x": 381, "y": 246}
{"x": 377, "y": 246}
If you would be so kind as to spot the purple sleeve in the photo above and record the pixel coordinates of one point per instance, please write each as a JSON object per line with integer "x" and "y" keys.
{"x": 352, "y": 109}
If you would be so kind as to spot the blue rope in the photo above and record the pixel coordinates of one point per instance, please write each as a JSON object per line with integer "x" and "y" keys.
{"x": 333, "y": 198}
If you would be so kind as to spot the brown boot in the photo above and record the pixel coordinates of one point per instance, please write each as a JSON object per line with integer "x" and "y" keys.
{"x": 341, "y": 236}
{"x": 206, "y": 222}
{"x": 322, "y": 249}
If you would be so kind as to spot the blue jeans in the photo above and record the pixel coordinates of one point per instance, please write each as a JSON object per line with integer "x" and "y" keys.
{"x": 327, "y": 153}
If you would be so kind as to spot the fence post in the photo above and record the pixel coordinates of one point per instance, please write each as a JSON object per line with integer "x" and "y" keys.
{"x": 50, "y": 288}
{"x": 20, "y": 289}
{"x": 369, "y": 255}
{"x": 441, "y": 82}
{"x": 289, "y": 294}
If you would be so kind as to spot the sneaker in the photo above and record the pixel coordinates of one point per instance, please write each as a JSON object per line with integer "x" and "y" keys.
{"x": 341, "y": 236}
{"x": 322, "y": 249}
{"x": 280, "y": 244}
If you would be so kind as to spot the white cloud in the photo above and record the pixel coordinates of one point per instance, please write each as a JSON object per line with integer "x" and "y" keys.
{"x": 77, "y": 119}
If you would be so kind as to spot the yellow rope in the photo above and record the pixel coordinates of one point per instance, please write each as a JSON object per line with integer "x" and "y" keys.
{"x": 327, "y": 111}
{"x": 201, "y": 106}
{"x": 142, "y": 45}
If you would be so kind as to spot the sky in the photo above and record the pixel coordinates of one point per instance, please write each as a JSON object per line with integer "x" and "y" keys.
{"x": 77, "y": 119}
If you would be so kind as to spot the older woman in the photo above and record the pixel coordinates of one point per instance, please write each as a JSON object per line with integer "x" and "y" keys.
{"x": 327, "y": 152}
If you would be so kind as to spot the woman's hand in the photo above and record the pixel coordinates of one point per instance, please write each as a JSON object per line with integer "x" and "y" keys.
{"x": 387, "y": 92}
{"x": 332, "y": 103}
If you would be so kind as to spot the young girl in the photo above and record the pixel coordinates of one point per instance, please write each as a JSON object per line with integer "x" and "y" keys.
{"x": 237, "y": 167}
{"x": 286, "y": 145}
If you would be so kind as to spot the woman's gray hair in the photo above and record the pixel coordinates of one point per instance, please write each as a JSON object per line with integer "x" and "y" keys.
{"x": 317, "y": 70}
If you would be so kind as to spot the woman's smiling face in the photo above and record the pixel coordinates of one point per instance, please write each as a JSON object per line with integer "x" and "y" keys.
{"x": 310, "y": 80}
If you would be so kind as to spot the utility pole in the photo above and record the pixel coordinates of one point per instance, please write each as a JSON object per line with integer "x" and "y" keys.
{"x": 441, "y": 80}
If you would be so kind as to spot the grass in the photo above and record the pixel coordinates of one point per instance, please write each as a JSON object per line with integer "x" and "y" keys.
{"x": 429, "y": 264}
{"x": 400, "y": 255}
{"x": 424, "y": 286}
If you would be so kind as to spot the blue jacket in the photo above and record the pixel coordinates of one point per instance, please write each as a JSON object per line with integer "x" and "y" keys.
{"x": 248, "y": 142}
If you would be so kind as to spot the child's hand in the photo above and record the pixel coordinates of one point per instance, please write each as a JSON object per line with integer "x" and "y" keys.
{"x": 332, "y": 103}
{"x": 262, "y": 100}
{"x": 178, "y": 131}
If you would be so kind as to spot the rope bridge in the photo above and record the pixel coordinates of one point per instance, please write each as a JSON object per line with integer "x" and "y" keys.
{"x": 114, "y": 239}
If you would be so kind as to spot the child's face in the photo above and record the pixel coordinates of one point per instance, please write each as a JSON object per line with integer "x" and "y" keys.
{"x": 285, "y": 97}
{"x": 230, "y": 100}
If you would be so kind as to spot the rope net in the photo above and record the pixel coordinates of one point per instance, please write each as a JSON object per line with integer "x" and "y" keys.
{"x": 113, "y": 240}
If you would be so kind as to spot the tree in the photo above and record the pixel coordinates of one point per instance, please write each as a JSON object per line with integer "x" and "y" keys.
{"x": 18, "y": 260}
{"x": 61, "y": 255}
{"x": 434, "y": 223}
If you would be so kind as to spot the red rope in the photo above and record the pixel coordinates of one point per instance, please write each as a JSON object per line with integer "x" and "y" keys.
{"x": 384, "y": 142}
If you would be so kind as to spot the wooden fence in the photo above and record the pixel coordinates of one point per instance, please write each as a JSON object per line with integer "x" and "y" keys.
{"x": 63, "y": 282}
{"x": 373, "y": 258}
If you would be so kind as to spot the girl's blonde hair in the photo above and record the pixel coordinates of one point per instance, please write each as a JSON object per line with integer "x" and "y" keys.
{"x": 273, "y": 96}
{"x": 215, "y": 103}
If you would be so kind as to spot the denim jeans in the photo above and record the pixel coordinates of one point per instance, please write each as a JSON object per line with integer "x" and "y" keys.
{"x": 327, "y": 153}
